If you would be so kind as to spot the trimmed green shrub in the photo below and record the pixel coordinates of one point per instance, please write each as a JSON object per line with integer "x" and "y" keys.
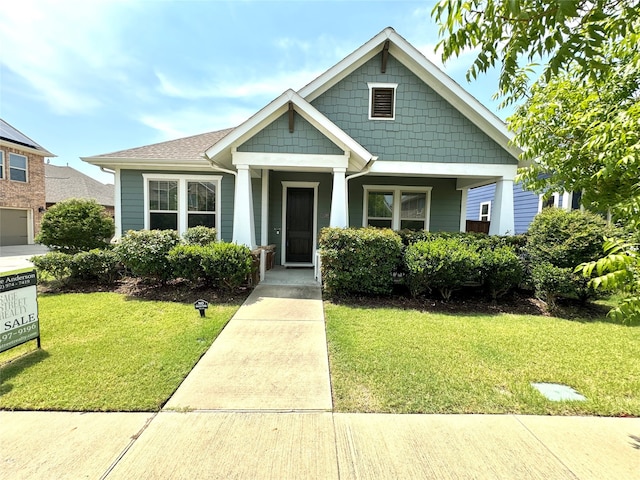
{"x": 186, "y": 261}
{"x": 200, "y": 236}
{"x": 101, "y": 265}
{"x": 76, "y": 225}
{"x": 501, "y": 270}
{"x": 56, "y": 264}
{"x": 226, "y": 264}
{"x": 443, "y": 264}
{"x": 359, "y": 261}
{"x": 551, "y": 282}
{"x": 145, "y": 252}
{"x": 563, "y": 240}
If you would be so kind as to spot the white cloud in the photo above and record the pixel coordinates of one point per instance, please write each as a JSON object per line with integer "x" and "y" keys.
{"x": 61, "y": 49}
{"x": 229, "y": 87}
{"x": 189, "y": 121}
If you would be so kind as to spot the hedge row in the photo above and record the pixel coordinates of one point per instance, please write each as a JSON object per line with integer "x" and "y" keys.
{"x": 372, "y": 261}
{"x": 158, "y": 255}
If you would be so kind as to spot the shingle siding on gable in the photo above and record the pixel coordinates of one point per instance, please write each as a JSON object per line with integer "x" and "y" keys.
{"x": 426, "y": 127}
{"x": 276, "y": 138}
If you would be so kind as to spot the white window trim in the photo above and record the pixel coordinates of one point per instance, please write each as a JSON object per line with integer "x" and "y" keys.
{"x": 286, "y": 185}
{"x": 556, "y": 201}
{"x": 397, "y": 192}
{"x": 373, "y": 85}
{"x": 182, "y": 196}
{"x": 488, "y": 215}
{"x": 26, "y": 167}
{"x": 4, "y": 165}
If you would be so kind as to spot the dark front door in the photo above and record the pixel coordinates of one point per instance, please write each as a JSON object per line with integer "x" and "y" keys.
{"x": 299, "y": 234}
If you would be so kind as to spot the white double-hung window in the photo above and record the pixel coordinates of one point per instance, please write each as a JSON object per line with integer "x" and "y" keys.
{"x": 179, "y": 202}
{"x": 397, "y": 207}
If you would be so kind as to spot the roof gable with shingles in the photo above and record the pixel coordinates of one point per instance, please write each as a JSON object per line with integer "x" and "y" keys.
{"x": 63, "y": 182}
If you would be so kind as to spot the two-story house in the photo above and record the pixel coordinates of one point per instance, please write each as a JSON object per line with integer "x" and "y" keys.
{"x": 22, "y": 186}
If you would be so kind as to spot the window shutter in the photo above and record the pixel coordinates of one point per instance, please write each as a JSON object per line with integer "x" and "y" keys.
{"x": 382, "y": 102}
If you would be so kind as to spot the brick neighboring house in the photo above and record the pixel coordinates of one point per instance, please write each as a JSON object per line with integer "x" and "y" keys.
{"x": 63, "y": 182}
{"x": 22, "y": 186}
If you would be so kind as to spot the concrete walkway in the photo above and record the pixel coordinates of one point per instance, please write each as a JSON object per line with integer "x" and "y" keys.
{"x": 17, "y": 257}
{"x": 258, "y": 406}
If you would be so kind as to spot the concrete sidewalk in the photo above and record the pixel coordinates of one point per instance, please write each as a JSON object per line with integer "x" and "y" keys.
{"x": 258, "y": 406}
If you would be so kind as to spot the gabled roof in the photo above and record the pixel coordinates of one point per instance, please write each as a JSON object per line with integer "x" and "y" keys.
{"x": 424, "y": 69}
{"x": 186, "y": 150}
{"x": 11, "y": 136}
{"x": 62, "y": 183}
{"x": 221, "y": 151}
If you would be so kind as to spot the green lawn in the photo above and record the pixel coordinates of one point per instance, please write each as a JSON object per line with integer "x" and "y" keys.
{"x": 406, "y": 361}
{"x": 105, "y": 352}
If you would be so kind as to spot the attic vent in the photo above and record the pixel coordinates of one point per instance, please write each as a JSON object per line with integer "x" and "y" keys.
{"x": 382, "y": 101}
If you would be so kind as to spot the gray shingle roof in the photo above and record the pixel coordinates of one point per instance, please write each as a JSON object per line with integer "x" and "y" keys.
{"x": 13, "y": 135}
{"x": 188, "y": 148}
{"x": 66, "y": 182}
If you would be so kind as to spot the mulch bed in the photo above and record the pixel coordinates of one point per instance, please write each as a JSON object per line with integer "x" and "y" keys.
{"x": 463, "y": 302}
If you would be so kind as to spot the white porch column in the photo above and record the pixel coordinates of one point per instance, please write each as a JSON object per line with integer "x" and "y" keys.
{"x": 502, "y": 221}
{"x": 338, "y": 216}
{"x": 264, "y": 214}
{"x": 464, "y": 196}
{"x": 244, "y": 231}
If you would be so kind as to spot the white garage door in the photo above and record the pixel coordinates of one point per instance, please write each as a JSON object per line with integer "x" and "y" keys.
{"x": 13, "y": 227}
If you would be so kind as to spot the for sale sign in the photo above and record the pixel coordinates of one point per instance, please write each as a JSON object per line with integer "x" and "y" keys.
{"x": 18, "y": 309}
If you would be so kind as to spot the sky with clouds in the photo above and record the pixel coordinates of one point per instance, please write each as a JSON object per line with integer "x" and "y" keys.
{"x": 84, "y": 77}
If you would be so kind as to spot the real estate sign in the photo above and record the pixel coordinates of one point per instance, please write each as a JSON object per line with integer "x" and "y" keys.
{"x": 18, "y": 310}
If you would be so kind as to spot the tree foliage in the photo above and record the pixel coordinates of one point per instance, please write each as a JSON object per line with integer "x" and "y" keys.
{"x": 76, "y": 225}
{"x": 585, "y": 136}
{"x": 618, "y": 270}
{"x": 516, "y": 33}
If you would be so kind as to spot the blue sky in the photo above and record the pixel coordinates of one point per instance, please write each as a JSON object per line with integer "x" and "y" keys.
{"x": 86, "y": 77}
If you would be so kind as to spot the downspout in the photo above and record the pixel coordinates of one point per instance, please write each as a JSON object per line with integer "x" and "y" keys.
{"x": 106, "y": 170}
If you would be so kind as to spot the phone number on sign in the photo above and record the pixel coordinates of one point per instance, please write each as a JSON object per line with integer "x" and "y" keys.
{"x": 18, "y": 332}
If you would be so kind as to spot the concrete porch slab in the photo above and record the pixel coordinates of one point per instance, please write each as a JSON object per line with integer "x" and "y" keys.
{"x": 207, "y": 445}
{"x": 441, "y": 446}
{"x": 64, "y": 445}
{"x": 260, "y": 365}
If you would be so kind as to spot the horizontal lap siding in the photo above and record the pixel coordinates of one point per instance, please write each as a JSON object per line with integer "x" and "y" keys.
{"x": 477, "y": 196}
{"x": 525, "y": 207}
{"x": 132, "y": 199}
{"x": 426, "y": 128}
{"x": 445, "y": 199}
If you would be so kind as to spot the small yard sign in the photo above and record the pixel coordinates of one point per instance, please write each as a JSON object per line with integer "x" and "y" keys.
{"x": 18, "y": 310}
{"x": 201, "y": 305}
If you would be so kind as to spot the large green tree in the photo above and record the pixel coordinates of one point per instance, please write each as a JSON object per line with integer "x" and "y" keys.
{"x": 579, "y": 123}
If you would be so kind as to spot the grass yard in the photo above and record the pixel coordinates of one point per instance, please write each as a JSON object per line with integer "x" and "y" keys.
{"x": 407, "y": 361}
{"x": 107, "y": 352}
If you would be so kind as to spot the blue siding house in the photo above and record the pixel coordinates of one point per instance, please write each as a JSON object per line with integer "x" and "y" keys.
{"x": 526, "y": 204}
{"x": 383, "y": 138}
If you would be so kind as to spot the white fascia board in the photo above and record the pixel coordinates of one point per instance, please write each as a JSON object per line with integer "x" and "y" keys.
{"x": 441, "y": 169}
{"x": 273, "y": 111}
{"x": 345, "y": 67}
{"x": 148, "y": 164}
{"x": 453, "y": 93}
{"x": 24, "y": 148}
{"x": 249, "y": 128}
{"x": 331, "y": 130}
{"x": 428, "y": 72}
{"x": 290, "y": 160}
